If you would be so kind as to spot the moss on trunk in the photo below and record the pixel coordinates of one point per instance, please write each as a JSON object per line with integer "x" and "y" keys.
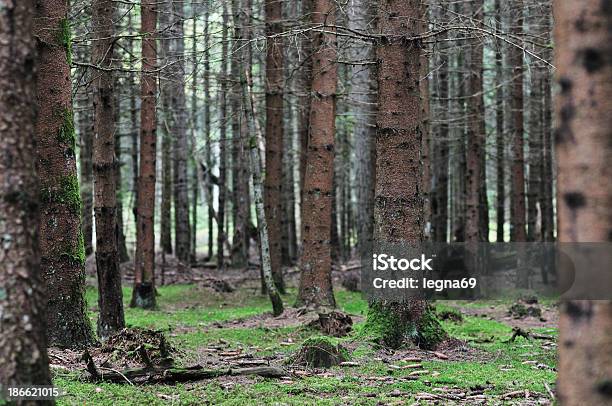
{"x": 393, "y": 324}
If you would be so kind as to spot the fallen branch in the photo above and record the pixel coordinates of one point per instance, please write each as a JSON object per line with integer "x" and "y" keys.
{"x": 519, "y": 332}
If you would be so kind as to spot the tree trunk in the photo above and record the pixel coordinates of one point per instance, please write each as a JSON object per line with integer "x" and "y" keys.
{"x": 133, "y": 122}
{"x": 363, "y": 108}
{"x": 110, "y": 296}
{"x": 178, "y": 129}
{"x": 85, "y": 121}
{"x": 398, "y": 208}
{"x": 143, "y": 294}
{"x": 23, "y": 345}
{"x": 207, "y": 128}
{"x": 166, "y": 89}
{"x": 222, "y": 141}
{"x": 305, "y": 83}
{"x": 517, "y": 215}
{"x": 500, "y": 146}
{"x": 255, "y": 163}
{"x": 315, "y": 283}
{"x": 584, "y": 192}
{"x": 61, "y": 241}
{"x": 274, "y": 135}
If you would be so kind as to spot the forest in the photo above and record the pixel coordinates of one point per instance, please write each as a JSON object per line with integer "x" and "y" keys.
{"x": 192, "y": 192}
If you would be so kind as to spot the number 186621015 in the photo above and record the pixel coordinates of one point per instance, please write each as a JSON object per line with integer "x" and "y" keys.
{"x": 34, "y": 392}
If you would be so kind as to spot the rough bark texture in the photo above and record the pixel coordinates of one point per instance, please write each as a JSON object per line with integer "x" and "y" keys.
{"x": 110, "y": 299}
{"x": 475, "y": 133}
{"x": 315, "y": 263}
{"x": 61, "y": 240}
{"x": 274, "y": 135}
{"x": 398, "y": 207}
{"x": 165, "y": 212}
{"x": 143, "y": 294}
{"x": 178, "y": 128}
{"x": 517, "y": 214}
{"x": 23, "y": 346}
{"x": 363, "y": 107}
{"x": 584, "y": 192}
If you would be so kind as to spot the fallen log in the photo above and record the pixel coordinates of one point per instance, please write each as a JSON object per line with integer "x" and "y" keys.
{"x": 169, "y": 375}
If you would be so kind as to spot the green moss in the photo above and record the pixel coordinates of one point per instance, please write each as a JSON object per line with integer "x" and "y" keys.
{"x": 66, "y": 133}
{"x": 65, "y": 38}
{"x": 390, "y": 324}
{"x": 66, "y": 192}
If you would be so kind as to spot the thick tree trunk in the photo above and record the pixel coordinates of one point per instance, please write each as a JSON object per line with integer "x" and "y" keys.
{"x": 143, "y": 294}
{"x": 584, "y": 192}
{"x": 517, "y": 215}
{"x": 178, "y": 129}
{"x": 274, "y": 135}
{"x": 363, "y": 99}
{"x": 110, "y": 296}
{"x": 23, "y": 345}
{"x": 398, "y": 208}
{"x": 305, "y": 83}
{"x": 61, "y": 241}
{"x": 315, "y": 283}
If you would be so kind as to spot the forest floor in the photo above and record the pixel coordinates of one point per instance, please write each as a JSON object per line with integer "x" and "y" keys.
{"x": 479, "y": 365}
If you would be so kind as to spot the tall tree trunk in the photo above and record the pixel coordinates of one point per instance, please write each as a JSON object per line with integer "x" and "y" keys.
{"x": 143, "y": 294}
{"x": 182, "y": 234}
{"x": 548, "y": 226}
{"x": 61, "y": 240}
{"x": 23, "y": 354}
{"x": 305, "y": 83}
{"x": 255, "y": 163}
{"x": 398, "y": 208}
{"x": 166, "y": 89}
{"x": 85, "y": 121}
{"x": 207, "y": 128}
{"x": 315, "y": 283}
{"x": 195, "y": 185}
{"x": 240, "y": 178}
{"x": 475, "y": 133}
{"x": 584, "y": 192}
{"x": 517, "y": 215}
{"x": 222, "y": 141}
{"x": 500, "y": 147}
{"x": 274, "y": 135}
{"x": 363, "y": 98}
{"x": 110, "y": 296}
{"x": 440, "y": 91}
{"x": 133, "y": 121}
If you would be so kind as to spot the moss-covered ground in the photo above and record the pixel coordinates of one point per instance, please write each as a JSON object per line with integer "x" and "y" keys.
{"x": 194, "y": 318}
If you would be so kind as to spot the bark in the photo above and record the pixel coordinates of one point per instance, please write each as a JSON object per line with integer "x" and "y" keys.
{"x": 517, "y": 215}
{"x": 499, "y": 131}
{"x": 584, "y": 192}
{"x": 178, "y": 129}
{"x": 440, "y": 215}
{"x": 207, "y": 129}
{"x": 165, "y": 214}
{"x": 315, "y": 283}
{"x": 110, "y": 298}
{"x": 195, "y": 186}
{"x": 222, "y": 142}
{"x": 475, "y": 135}
{"x": 133, "y": 123}
{"x": 363, "y": 106}
{"x": 143, "y": 294}
{"x": 61, "y": 241}
{"x": 274, "y": 135}
{"x": 398, "y": 207}
{"x": 85, "y": 121}
{"x": 305, "y": 83}
{"x": 255, "y": 165}
{"x": 240, "y": 178}
{"x": 548, "y": 226}
{"x": 23, "y": 345}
